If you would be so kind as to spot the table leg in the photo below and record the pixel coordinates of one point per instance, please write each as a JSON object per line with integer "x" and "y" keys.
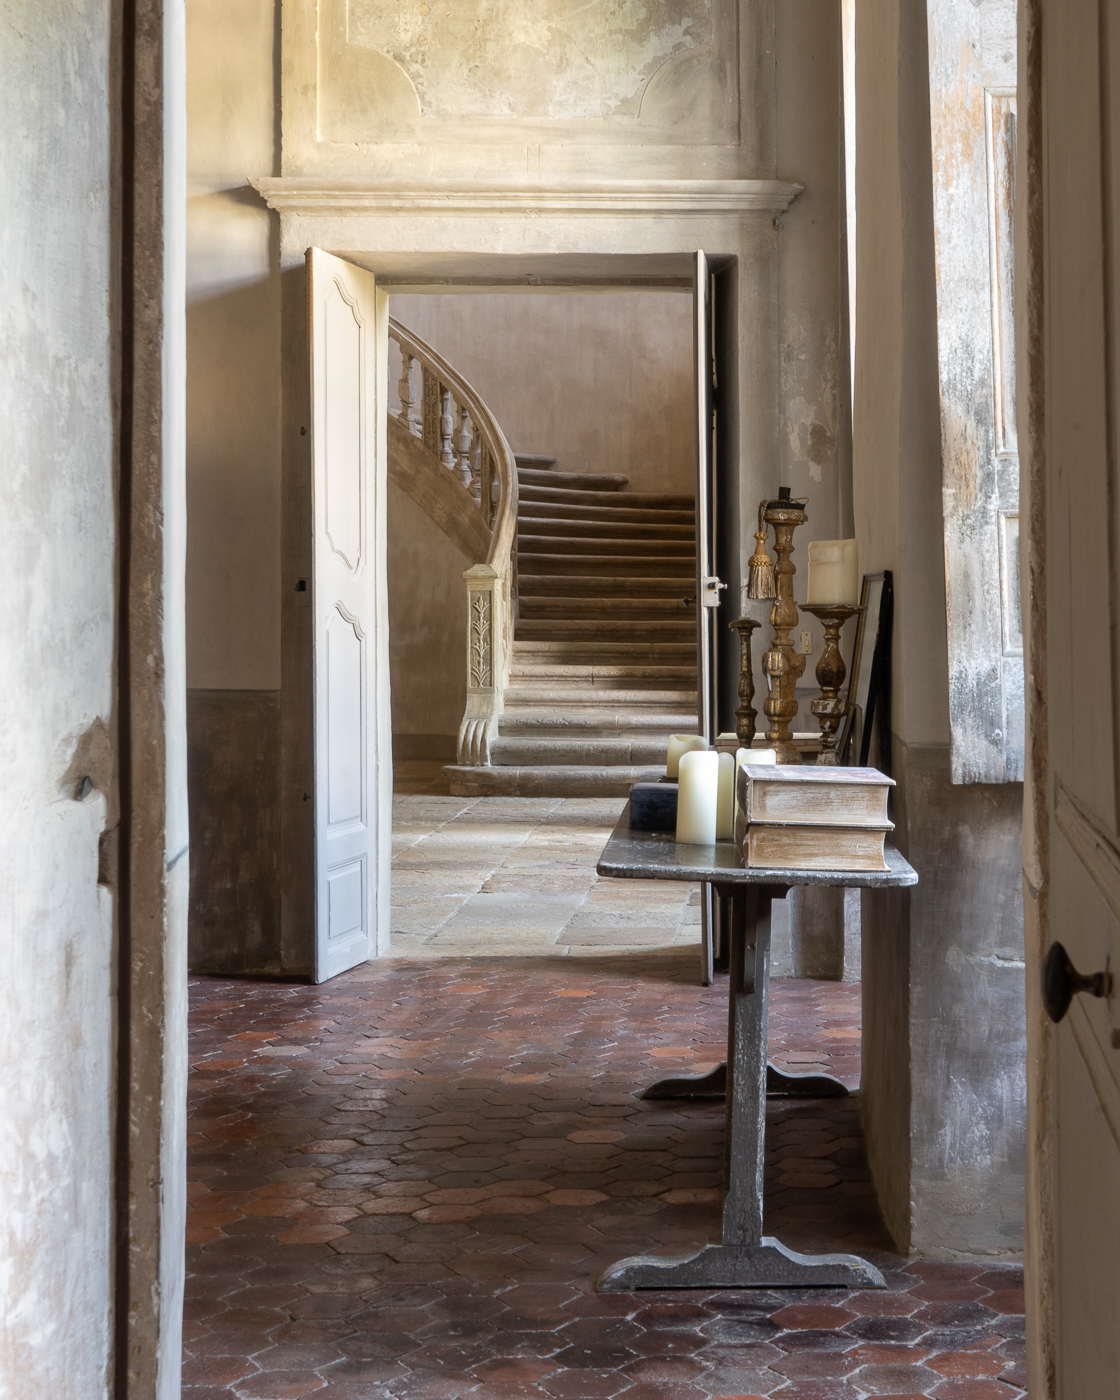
{"x": 744, "y": 1257}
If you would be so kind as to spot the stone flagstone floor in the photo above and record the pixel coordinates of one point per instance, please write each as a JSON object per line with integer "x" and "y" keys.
{"x": 518, "y": 875}
{"x": 405, "y": 1182}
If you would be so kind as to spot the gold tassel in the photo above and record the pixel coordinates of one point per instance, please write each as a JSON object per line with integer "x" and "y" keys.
{"x": 760, "y": 576}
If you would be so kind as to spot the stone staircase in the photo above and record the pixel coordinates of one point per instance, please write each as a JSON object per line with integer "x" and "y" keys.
{"x": 604, "y": 654}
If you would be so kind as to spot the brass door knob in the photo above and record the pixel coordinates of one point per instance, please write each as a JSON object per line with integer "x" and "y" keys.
{"x": 1061, "y": 982}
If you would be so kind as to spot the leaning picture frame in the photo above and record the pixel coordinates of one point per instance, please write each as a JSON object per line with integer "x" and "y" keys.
{"x": 868, "y": 708}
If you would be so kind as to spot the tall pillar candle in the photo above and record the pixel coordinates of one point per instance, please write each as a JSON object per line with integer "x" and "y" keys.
{"x": 681, "y": 744}
{"x": 697, "y": 797}
{"x": 725, "y": 798}
{"x": 833, "y": 572}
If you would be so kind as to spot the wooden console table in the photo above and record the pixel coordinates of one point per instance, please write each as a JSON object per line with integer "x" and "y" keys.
{"x": 744, "y": 1257}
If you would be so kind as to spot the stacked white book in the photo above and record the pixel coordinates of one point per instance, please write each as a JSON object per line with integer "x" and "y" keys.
{"x": 808, "y": 818}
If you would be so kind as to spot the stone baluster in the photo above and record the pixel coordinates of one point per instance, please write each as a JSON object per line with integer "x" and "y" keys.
{"x": 446, "y": 428}
{"x": 466, "y": 438}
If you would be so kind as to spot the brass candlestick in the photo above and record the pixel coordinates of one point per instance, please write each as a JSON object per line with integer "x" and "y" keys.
{"x": 829, "y": 709}
{"x": 746, "y": 713}
{"x": 782, "y": 664}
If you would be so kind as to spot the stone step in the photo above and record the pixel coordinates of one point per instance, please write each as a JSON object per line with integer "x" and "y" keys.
{"x": 553, "y": 722}
{"x": 593, "y": 752}
{"x": 602, "y": 586}
{"x": 591, "y": 529}
{"x": 571, "y": 481}
{"x": 535, "y": 699}
{"x": 605, "y": 653}
{"x": 566, "y": 546}
{"x": 603, "y": 677}
{"x": 533, "y": 508}
{"x": 566, "y": 780}
{"x": 609, "y": 566}
{"x": 647, "y": 500}
{"x": 534, "y": 461}
{"x": 647, "y": 609}
{"x": 603, "y": 629}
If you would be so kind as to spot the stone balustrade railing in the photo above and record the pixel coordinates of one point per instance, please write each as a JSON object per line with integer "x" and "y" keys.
{"x": 449, "y": 454}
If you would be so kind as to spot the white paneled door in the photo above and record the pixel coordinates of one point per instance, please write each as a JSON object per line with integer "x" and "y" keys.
{"x": 347, "y": 336}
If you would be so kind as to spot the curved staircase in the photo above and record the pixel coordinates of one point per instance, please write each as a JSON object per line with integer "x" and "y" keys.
{"x": 603, "y": 664}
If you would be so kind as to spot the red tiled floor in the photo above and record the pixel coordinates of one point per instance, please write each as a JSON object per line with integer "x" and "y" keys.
{"x": 405, "y": 1183}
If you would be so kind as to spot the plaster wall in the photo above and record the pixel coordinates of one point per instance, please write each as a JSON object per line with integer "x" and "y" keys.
{"x": 56, "y": 952}
{"x": 427, "y": 632}
{"x": 233, "y": 329}
{"x": 233, "y": 488}
{"x": 943, "y": 1087}
{"x": 93, "y": 835}
{"x": 601, "y": 381}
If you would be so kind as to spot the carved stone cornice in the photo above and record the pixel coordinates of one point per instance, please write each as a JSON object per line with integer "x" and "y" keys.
{"x": 304, "y": 195}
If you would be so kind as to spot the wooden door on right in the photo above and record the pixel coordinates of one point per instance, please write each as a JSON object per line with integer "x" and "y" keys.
{"x": 1070, "y": 176}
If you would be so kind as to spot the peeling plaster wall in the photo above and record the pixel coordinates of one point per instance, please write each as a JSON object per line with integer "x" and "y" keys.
{"x": 56, "y": 682}
{"x": 815, "y": 444}
{"x": 943, "y": 1085}
{"x": 534, "y": 58}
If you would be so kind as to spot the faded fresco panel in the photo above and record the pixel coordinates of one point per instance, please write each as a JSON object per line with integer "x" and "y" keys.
{"x": 538, "y": 59}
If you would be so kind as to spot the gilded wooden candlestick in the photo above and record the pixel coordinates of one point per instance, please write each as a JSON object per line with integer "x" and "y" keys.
{"x": 746, "y": 713}
{"x": 829, "y": 709}
{"x": 782, "y": 664}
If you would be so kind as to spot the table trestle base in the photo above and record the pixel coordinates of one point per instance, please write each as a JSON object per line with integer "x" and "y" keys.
{"x": 768, "y": 1264}
{"x": 713, "y": 1085}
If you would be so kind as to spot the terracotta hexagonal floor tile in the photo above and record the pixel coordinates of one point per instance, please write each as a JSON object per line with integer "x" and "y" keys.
{"x": 472, "y": 1136}
{"x": 817, "y": 1315}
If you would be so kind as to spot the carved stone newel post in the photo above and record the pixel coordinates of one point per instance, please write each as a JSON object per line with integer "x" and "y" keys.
{"x": 486, "y": 628}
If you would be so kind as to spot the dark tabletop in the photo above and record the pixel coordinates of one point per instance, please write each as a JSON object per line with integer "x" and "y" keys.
{"x": 654, "y": 855}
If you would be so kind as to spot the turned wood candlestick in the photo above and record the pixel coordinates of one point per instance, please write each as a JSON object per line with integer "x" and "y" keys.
{"x": 782, "y": 664}
{"x": 829, "y": 709}
{"x": 746, "y": 714}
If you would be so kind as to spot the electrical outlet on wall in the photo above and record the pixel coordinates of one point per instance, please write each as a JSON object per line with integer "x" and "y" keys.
{"x": 806, "y": 644}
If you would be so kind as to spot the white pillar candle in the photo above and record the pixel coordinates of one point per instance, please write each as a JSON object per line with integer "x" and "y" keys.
{"x": 725, "y": 798}
{"x": 679, "y": 744}
{"x": 745, "y": 756}
{"x": 833, "y": 572}
{"x": 697, "y": 798}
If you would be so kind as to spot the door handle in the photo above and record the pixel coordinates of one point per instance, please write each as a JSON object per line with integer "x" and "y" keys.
{"x": 1061, "y": 982}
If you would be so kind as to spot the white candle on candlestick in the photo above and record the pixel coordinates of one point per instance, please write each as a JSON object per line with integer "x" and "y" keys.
{"x": 833, "y": 573}
{"x": 681, "y": 744}
{"x": 725, "y": 798}
{"x": 697, "y": 797}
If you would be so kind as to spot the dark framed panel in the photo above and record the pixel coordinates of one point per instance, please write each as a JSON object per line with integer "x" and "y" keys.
{"x": 869, "y": 677}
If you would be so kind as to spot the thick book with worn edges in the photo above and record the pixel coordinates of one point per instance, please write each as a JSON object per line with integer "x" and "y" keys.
{"x": 814, "y": 847}
{"x": 797, "y": 795}
{"x": 808, "y": 818}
